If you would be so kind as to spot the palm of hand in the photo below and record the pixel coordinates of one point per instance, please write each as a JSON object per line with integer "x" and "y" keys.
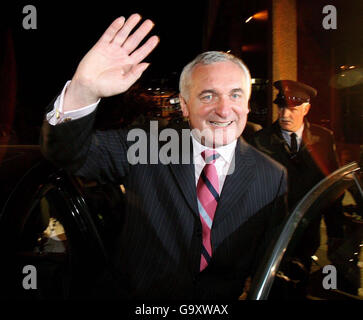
{"x": 107, "y": 69}
{"x": 113, "y": 64}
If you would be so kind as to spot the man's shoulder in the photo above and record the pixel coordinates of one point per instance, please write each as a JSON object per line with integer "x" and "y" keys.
{"x": 268, "y": 172}
{"x": 267, "y": 139}
{"x": 267, "y": 132}
{"x": 262, "y": 159}
{"x": 319, "y": 130}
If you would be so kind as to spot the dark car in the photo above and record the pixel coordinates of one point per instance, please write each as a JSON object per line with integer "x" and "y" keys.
{"x": 53, "y": 223}
{"x": 57, "y": 233}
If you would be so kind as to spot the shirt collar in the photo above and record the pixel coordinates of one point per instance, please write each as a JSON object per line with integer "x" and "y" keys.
{"x": 226, "y": 152}
{"x": 298, "y": 132}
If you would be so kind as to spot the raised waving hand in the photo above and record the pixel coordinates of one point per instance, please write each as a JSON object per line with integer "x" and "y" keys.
{"x": 113, "y": 64}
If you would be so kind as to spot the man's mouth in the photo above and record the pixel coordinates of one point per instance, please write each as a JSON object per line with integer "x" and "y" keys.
{"x": 220, "y": 124}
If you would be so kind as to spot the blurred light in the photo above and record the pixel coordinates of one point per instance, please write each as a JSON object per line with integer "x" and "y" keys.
{"x": 346, "y": 77}
{"x": 273, "y": 269}
{"x": 315, "y": 258}
{"x": 253, "y": 47}
{"x": 259, "y": 16}
{"x": 346, "y": 67}
{"x": 228, "y": 51}
{"x": 253, "y": 80}
{"x": 262, "y": 15}
{"x": 174, "y": 100}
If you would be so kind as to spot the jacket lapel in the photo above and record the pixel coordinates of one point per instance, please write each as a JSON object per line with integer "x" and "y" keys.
{"x": 240, "y": 176}
{"x": 184, "y": 174}
{"x": 308, "y": 138}
{"x": 279, "y": 148}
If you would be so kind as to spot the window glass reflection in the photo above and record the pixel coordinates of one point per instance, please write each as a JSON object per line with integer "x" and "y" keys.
{"x": 333, "y": 269}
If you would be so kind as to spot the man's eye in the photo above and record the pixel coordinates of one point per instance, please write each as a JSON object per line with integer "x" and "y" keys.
{"x": 236, "y": 96}
{"x": 207, "y": 97}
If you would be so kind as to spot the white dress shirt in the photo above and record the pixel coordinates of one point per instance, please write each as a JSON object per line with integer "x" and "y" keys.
{"x": 57, "y": 115}
{"x": 222, "y": 164}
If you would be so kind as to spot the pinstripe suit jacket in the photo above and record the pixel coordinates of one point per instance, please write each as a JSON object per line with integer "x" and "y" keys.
{"x": 160, "y": 241}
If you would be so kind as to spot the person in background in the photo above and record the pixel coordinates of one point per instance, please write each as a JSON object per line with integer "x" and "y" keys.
{"x": 308, "y": 152}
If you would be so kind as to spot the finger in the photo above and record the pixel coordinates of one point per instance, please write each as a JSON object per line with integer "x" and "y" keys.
{"x": 134, "y": 40}
{"x": 135, "y": 73}
{"x": 124, "y": 32}
{"x": 142, "y": 52}
{"x": 112, "y": 30}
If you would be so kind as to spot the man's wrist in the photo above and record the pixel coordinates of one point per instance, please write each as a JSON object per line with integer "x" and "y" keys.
{"x": 77, "y": 96}
{"x": 57, "y": 115}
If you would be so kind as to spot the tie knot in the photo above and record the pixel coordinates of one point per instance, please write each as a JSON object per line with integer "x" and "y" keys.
{"x": 210, "y": 156}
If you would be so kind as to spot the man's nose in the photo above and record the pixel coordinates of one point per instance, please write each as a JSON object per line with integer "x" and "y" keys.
{"x": 223, "y": 108}
{"x": 284, "y": 112}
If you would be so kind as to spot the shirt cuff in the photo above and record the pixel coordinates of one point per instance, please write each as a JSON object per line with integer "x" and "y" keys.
{"x": 57, "y": 116}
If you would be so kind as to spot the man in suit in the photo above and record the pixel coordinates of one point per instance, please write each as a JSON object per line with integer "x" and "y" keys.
{"x": 191, "y": 229}
{"x": 309, "y": 154}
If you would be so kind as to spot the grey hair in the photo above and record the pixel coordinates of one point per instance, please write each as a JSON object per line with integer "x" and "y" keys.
{"x": 210, "y": 57}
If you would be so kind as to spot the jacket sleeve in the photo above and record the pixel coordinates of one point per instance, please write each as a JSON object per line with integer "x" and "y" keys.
{"x": 76, "y": 147}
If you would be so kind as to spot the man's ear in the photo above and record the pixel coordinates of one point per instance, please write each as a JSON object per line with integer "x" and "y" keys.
{"x": 183, "y": 106}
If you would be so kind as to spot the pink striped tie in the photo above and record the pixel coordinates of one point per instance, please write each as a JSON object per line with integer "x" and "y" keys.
{"x": 208, "y": 197}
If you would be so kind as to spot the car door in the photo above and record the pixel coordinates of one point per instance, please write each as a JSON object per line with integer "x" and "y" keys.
{"x": 334, "y": 268}
{"x": 51, "y": 240}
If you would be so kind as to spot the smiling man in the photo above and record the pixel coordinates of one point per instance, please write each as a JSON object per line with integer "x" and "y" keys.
{"x": 193, "y": 230}
{"x": 214, "y": 92}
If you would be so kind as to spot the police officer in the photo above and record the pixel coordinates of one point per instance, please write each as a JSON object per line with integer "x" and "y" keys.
{"x": 307, "y": 150}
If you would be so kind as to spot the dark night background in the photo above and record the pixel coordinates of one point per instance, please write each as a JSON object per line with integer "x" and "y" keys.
{"x": 45, "y": 58}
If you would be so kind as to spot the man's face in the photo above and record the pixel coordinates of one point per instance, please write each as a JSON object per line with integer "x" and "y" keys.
{"x": 291, "y": 117}
{"x": 217, "y": 104}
